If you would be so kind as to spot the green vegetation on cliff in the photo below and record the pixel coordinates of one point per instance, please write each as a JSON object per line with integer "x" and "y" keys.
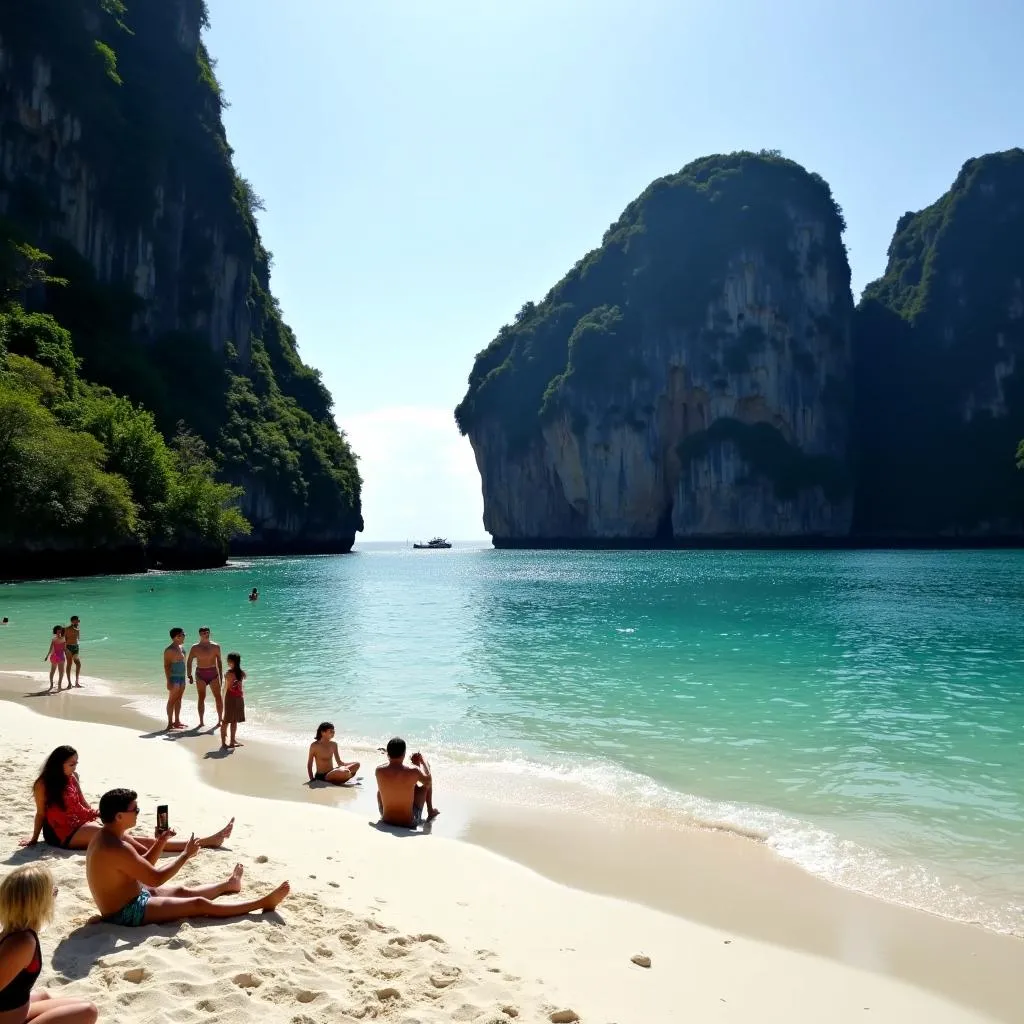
{"x": 659, "y": 269}
{"x": 938, "y": 355}
{"x": 82, "y": 465}
{"x": 203, "y": 372}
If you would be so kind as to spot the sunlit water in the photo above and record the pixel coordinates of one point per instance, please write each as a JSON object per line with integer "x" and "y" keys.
{"x": 863, "y": 712}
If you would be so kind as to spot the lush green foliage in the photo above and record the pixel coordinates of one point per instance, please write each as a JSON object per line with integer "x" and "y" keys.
{"x": 933, "y": 335}
{"x": 658, "y": 268}
{"x": 85, "y": 467}
{"x": 145, "y": 92}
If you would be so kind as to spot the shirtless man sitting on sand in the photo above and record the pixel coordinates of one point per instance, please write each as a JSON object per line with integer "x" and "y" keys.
{"x": 209, "y": 672}
{"x": 323, "y": 752}
{"x": 129, "y": 889}
{"x": 402, "y": 792}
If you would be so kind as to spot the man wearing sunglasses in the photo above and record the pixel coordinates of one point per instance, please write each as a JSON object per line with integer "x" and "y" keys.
{"x": 131, "y": 890}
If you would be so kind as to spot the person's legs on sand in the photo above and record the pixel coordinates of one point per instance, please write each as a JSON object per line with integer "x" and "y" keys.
{"x": 232, "y": 884}
{"x": 200, "y": 699}
{"x": 78, "y": 672}
{"x": 218, "y": 700}
{"x": 53, "y": 669}
{"x": 339, "y": 776}
{"x": 45, "y": 1009}
{"x": 170, "y": 908}
{"x": 170, "y": 706}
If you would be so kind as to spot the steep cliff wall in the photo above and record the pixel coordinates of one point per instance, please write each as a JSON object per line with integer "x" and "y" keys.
{"x": 687, "y": 381}
{"x": 939, "y": 357}
{"x": 113, "y": 158}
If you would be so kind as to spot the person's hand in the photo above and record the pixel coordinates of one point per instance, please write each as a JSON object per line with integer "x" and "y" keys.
{"x": 190, "y": 680}
{"x": 167, "y": 835}
{"x": 416, "y": 758}
{"x": 27, "y": 842}
{"x": 192, "y": 847}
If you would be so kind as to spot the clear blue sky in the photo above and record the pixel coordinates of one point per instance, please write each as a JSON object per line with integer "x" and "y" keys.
{"x": 429, "y": 166}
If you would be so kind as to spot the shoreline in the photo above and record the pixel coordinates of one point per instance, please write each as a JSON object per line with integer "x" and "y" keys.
{"x": 718, "y": 880}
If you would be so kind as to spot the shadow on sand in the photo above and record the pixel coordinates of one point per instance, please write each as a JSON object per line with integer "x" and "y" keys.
{"x": 76, "y": 954}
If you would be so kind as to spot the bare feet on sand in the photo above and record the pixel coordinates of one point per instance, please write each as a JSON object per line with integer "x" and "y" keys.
{"x": 433, "y": 814}
{"x": 234, "y": 882}
{"x": 270, "y": 902}
{"x": 217, "y": 839}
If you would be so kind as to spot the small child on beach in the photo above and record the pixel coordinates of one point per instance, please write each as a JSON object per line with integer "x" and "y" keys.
{"x": 55, "y": 656}
{"x": 234, "y": 700}
{"x": 27, "y": 899}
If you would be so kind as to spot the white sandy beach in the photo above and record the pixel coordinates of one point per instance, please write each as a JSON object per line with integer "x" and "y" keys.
{"x": 409, "y": 929}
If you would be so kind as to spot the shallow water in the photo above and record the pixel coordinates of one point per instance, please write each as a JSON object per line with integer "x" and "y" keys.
{"x": 861, "y": 711}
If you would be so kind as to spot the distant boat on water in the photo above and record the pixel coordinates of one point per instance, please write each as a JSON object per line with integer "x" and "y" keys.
{"x": 433, "y": 543}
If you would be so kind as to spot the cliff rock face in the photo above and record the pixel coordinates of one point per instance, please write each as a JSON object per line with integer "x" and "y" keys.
{"x": 939, "y": 352}
{"x": 113, "y": 158}
{"x": 687, "y": 381}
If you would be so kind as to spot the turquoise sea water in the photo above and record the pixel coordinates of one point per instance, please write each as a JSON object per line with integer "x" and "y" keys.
{"x": 861, "y": 711}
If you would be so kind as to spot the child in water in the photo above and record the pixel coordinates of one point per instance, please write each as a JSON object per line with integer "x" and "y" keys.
{"x": 55, "y": 656}
{"x": 234, "y": 700}
{"x": 27, "y": 899}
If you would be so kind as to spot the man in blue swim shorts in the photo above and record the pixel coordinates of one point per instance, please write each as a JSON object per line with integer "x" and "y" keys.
{"x": 174, "y": 671}
{"x": 130, "y": 889}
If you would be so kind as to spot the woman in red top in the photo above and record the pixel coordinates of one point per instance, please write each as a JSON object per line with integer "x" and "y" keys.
{"x": 66, "y": 820}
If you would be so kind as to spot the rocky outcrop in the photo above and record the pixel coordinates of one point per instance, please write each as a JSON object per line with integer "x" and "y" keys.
{"x": 686, "y": 382}
{"x": 113, "y": 158}
{"x": 939, "y": 351}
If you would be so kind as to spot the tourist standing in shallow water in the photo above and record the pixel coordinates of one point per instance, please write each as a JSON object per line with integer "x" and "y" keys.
{"x": 174, "y": 671}
{"x": 208, "y": 672}
{"x": 234, "y": 701}
{"x": 73, "y": 637}
{"x": 56, "y": 657}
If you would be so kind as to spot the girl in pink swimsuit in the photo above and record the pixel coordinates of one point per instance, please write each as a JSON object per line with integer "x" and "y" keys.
{"x": 55, "y": 656}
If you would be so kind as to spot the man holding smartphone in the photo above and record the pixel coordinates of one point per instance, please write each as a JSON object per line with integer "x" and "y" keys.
{"x": 131, "y": 890}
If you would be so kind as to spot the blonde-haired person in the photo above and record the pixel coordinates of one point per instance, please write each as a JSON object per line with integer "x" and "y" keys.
{"x": 27, "y": 898}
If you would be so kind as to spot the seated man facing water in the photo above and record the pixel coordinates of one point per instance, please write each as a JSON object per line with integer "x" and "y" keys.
{"x": 402, "y": 792}
{"x": 129, "y": 889}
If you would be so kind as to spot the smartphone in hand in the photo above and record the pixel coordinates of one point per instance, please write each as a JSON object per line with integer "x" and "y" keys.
{"x": 162, "y": 820}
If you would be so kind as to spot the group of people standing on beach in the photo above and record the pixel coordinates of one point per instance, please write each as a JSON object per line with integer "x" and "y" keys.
{"x": 204, "y": 666}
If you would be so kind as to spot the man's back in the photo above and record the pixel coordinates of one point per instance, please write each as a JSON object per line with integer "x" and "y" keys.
{"x": 396, "y": 787}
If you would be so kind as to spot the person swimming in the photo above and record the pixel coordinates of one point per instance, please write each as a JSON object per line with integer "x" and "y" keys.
{"x": 254, "y": 594}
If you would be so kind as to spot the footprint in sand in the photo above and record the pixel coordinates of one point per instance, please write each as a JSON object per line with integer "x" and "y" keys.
{"x": 393, "y": 952}
{"x": 304, "y": 995}
{"x": 563, "y": 1017}
{"x": 510, "y": 1011}
{"x": 136, "y": 975}
{"x": 262, "y": 859}
{"x": 384, "y": 994}
{"x": 444, "y": 976}
{"x": 349, "y": 938}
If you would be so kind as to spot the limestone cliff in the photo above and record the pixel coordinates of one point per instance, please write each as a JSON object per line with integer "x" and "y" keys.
{"x": 940, "y": 365}
{"x": 685, "y": 382}
{"x": 113, "y": 158}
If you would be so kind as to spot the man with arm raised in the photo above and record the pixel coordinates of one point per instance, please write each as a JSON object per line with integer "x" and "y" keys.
{"x": 130, "y": 890}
